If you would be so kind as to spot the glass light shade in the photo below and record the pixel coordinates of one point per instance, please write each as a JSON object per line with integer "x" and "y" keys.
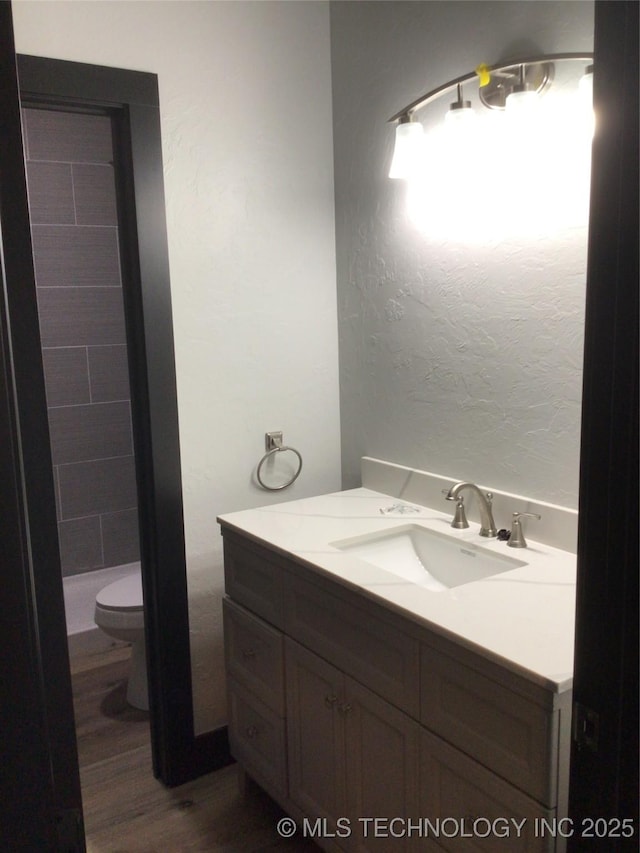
{"x": 460, "y": 117}
{"x": 408, "y": 150}
{"x": 522, "y": 100}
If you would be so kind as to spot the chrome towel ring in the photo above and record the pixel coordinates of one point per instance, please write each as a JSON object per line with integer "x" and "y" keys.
{"x": 273, "y": 443}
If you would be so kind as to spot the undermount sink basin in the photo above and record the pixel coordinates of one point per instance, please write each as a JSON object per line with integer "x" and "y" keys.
{"x": 427, "y": 558}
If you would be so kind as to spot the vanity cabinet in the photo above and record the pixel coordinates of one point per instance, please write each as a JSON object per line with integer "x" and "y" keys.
{"x": 345, "y": 710}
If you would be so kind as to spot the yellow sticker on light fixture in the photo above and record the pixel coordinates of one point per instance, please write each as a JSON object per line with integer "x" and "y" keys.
{"x": 483, "y": 74}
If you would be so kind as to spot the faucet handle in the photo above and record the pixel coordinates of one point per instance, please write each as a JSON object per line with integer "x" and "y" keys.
{"x": 459, "y": 519}
{"x": 517, "y": 540}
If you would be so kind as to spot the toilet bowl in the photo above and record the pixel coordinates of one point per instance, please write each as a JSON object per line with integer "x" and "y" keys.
{"x": 119, "y": 613}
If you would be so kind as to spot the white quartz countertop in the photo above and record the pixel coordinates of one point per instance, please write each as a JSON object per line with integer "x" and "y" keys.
{"x": 523, "y": 618}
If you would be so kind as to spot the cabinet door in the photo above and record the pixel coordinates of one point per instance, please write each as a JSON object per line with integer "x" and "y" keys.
{"x": 471, "y": 810}
{"x": 383, "y": 746}
{"x": 315, "y": 734}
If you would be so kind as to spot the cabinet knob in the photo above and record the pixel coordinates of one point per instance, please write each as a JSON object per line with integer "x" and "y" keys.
{"x": 252, "y": 731}
{"x": 344, "y": 708}
{"x": 330, "y": 700}
{"x": 248, "y": 653}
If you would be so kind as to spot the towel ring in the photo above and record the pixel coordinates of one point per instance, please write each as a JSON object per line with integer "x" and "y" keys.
{"x": 274, "y": 441}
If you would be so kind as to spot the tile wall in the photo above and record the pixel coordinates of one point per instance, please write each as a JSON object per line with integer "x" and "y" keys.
{"x": 72, "y": 201}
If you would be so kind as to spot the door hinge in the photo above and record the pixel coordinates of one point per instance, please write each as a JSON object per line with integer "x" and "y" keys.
{"x": 70, "y": 830}
{"x": 586, "y": 727}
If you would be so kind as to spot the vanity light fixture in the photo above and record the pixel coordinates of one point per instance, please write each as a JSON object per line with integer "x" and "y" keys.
{"x": 512, "y": 85}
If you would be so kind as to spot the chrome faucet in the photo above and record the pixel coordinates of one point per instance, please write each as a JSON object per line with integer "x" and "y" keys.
{"x": 487, "y": 524}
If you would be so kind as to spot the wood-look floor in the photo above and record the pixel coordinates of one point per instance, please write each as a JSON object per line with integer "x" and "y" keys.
{"x": 126, "y": 810}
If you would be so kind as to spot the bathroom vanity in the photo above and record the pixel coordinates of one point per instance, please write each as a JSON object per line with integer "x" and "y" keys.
{"x": 385, "y": 715}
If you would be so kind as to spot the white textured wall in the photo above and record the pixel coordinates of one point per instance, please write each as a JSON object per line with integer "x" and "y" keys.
{"x": 458, "y": 358}
{"x": 245, "y": 98}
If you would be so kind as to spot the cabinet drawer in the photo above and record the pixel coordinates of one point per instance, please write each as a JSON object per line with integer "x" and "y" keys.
{"x": 254, "y": 655}
{"x": 257, "y": 737}
{"x": 504, "y": 730}
{"x": 464, "y": 802}
{"x": 372, "y": 650}
{"x": 252, "y": 579}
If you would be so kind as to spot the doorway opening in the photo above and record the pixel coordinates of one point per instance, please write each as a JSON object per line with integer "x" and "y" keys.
{"x": 74, "y": 212}
{"x": 129, "y": 101}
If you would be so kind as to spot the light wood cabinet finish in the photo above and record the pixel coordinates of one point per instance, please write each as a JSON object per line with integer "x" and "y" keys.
{"x": 454, "y": 786}
{"x": 375, "y": 652}
{"x": 254, "y": 655}
{"x": 315, "y": 733}
{"x": 257, "y": 738}
{"x": 252, "y": 578}
{"x": 351, "y": 754}
{"x": 382, "y": 755}
{"x": 381, "y": 716}
{"x": 504, "y": 730}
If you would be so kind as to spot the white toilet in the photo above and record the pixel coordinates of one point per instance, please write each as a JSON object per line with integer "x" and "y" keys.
{"x": 119, "y": 613}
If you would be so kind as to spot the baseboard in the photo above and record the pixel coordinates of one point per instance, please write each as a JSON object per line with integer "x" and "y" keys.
{"x": 209, "y": 752}
{"x": 212, "y": 751}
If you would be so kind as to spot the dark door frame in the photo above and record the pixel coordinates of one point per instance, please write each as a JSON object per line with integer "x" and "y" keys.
{"x": 604, "y": 759}
{"x": 131, "y": 98}
{"x": 40, "y": 783}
